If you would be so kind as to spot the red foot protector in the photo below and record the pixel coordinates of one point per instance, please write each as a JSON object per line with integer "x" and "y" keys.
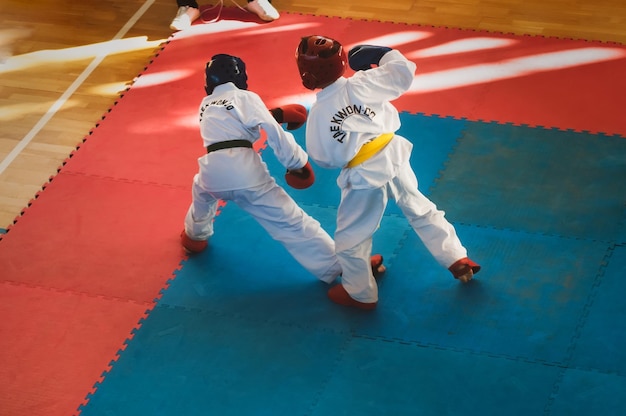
{"x": 338, "y": 294}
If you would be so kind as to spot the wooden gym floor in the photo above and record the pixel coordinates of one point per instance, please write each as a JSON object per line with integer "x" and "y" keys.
{"x": 63, "y": 64}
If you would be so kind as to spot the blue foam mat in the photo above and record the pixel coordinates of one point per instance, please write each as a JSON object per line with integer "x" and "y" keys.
{"x": 260, "y": 280}
{"x": 394, "y": 378}
{"x": 538, "y": 180}
{"x": 190, "y": 362}
{"x": 582, "y": 392}
{"x": 526, "y": 302}
{"x": 602, "y": 334}
{"x": 242, "y": 329}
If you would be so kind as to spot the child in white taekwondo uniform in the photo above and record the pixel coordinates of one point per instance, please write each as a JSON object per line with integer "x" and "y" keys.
{"x": 352, "y": 126}
{"x": 231, "y": 119}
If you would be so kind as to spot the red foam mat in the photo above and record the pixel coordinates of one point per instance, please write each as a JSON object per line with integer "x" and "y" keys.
{"x": 561, "y": 83}
{"x": 98, "y": 236}
{"x": 151, "y": 134}
{"x": 55, "y": 346}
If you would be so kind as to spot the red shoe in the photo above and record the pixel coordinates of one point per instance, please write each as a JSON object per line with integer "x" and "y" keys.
{"x": 464, "y": 269}
{"x": 377, "y": 265}
{"x": 192, "y": 246}
{"x": 339, "y": 295}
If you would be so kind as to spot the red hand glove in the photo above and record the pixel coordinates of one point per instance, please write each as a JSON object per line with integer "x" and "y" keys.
{"x": 301, "y": 178}
{"x": 292, "y": 114}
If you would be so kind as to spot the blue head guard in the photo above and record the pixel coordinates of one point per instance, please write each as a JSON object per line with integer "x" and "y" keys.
{"x": 224, "y": 68}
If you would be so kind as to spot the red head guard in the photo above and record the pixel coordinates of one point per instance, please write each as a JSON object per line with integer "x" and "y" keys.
{"x": 321, "y": 61}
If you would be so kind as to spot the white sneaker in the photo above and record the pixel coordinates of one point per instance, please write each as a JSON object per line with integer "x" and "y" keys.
{"x": 184, "y": 17}
{"x": 263, "y": 9}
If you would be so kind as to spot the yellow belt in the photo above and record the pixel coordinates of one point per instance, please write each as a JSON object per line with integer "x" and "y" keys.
{"x": 369, "y": 149}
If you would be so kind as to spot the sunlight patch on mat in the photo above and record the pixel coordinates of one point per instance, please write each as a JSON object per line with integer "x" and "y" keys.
{"x": 159, "y": 78}
{"x": 305, "y": 99}
{"x": 278, "y": 29}
{"x": 486, "y": 73}
{"x": 394, "y": 39}
{"x": 477, "y": 74}
{"x": 188, "y": 121}
{"x": 461, "y": 46}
